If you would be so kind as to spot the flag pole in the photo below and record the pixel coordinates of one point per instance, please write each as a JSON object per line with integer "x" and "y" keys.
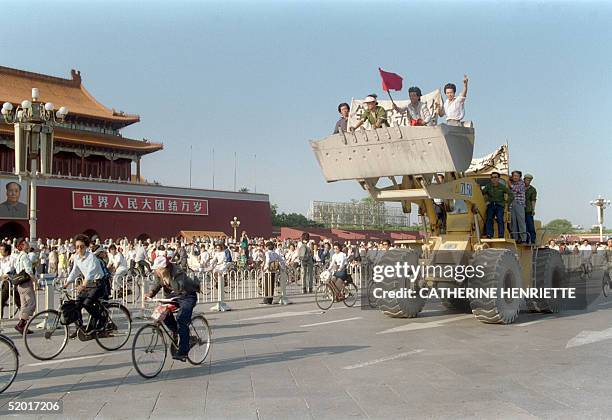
{"x": 389, "y": 93}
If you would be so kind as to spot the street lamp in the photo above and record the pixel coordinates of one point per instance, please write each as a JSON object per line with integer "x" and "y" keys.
{"x": 601, "y": 204}
{"x": 34, "y": 122}
{"x": 235, "y": 223}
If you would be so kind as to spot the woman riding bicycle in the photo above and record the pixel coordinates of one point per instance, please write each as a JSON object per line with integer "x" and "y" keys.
{"x": 176, "y": 284}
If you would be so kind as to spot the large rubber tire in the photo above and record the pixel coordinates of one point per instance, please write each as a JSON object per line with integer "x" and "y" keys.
{"x": 398, "y": 307}
{"x": 459, "y": 305}
{"x": 550, "y": 272}
{"x": 501, "y": 271}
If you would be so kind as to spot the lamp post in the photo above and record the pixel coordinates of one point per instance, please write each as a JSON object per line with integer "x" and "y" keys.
{"x": 34, "y": 122}
{"x": 235, "y": 223}
{"x": 601, "y": 204}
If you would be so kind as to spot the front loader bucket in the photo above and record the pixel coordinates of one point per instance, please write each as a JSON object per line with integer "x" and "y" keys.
{"x": 394, "y": 151}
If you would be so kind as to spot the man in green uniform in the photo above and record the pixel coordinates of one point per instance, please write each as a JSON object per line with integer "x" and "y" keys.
{"x": 374, "y": 114}
{"x": 530, "y": 201}
{"x": 495, "y": 195}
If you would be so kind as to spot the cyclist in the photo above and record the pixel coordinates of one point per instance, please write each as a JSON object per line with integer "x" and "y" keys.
{"x": 87, "y": 264}
{"x": 117, "y": 265}
{"x": 140, "y": 258}
{"x": 176, "y": 284}
{"x": 337, "y": 266}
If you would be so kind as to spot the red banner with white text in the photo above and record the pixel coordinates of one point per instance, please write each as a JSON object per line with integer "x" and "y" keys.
{"x": 130, "y": 203}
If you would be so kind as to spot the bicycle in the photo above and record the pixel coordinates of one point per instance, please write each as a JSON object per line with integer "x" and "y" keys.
{"x": 9, "y": 362}
{"x": 149, "y": 348}
{"x": 327, "y": 292}
{"x": 50, "y": 331}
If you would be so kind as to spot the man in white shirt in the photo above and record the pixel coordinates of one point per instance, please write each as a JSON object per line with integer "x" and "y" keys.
{"x": 92, "y": 288}
{"x": 140, "y": 258}
{"x": 418, "y": 113}
{"x": 27, "y": 296}
{"x": 116, "y": 265}
{"x": 454, "y": 106}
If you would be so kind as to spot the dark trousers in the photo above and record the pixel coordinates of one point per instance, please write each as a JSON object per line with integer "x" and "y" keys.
{"x": 530, "y": 224}
{"x": 183, "y": 318}
{"x": 269, "y": 279}
{"x": 90, "y": 300}
{"x": 495, "y": 211}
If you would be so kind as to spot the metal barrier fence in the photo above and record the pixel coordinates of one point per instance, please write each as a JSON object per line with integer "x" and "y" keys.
{"x": 220, "y": 287}
{"x": 215, "y": 288}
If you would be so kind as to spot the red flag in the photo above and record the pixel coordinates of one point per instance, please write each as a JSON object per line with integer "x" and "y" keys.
{"x": 390, "y": 81}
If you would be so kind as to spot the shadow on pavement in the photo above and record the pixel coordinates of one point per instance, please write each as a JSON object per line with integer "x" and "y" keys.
{"x": 187, "y": 372}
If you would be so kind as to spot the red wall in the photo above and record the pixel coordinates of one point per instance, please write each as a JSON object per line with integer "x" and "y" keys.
{"x": 57, "y": 219}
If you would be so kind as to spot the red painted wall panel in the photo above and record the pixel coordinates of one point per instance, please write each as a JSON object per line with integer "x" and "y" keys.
{"x": 57, "y": 219}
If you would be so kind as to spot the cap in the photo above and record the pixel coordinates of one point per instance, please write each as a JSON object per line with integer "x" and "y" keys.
{"x": 369, "y": 99}
{"x": 160, "y": 262}
{"x": 527, "y": 176}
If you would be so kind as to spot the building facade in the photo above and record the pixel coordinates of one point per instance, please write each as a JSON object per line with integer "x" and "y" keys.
{"x": 97, "y": 186}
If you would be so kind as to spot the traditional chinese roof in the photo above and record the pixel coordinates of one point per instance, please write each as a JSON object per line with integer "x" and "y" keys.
{"x": 91, "y": 139}
{"x": 16, "y": 85}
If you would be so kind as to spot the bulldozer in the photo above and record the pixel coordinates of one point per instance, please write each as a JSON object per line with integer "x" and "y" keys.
{"x": 400, "y": 164}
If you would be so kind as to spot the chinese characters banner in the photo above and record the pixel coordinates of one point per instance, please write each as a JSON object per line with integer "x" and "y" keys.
{"x": 100, "y": 201}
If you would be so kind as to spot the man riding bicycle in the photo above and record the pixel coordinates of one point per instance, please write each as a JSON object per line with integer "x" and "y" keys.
{"x": 176, "y": 284}
{"x": 93, "y": 287}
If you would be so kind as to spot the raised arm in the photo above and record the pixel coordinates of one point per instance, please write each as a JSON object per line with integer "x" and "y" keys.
{"x": 465, "y": 86}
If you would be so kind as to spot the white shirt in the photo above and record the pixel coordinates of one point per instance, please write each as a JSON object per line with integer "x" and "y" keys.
{"x": 117, "y": 261}
{"x": 454, "y": 110}
{"x": 273, "y": 256}
{"x": 89, "y": 266}
{"x": 141, "y": 253}
{"x": 6, "y": 265}
{"x": 219, "y": 259}
{"x": 418, "y": 112}
{"x": 23, "y": 263}
{"x": 339, "y": 261}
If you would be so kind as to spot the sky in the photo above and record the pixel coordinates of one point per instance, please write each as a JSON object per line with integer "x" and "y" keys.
{"x": 258, "y": 80}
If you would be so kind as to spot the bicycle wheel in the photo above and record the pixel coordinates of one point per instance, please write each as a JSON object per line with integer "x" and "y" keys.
{"x": 9, "y": 362}
{"x": 118, "y": 327}
{"x": 149, "y": 351}
{"x": 200, "y": 337}
{"x": 350, "y": 294}
{"x": 606, "y": 286}
{"x": 324, "y": 296}
{"x": 49, "y": 336}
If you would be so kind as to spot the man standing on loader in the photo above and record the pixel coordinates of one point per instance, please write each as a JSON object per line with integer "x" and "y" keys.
{"x": 530, "y": 201}
{"x": 495, "y": 195}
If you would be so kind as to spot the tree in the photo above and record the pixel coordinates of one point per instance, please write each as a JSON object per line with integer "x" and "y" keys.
{"x": 244, "y": 189}
{"x": 290, "y": 219}
{"x": 559, "y": 227}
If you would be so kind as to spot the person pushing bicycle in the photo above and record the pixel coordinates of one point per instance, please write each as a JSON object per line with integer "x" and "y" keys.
{"x": 176, "y": 284}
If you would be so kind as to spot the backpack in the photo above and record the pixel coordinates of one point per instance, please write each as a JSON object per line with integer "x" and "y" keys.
{"x": 304, "y": 253}
{"x": 228, "y": 255}
{"x": 69, "y": 313}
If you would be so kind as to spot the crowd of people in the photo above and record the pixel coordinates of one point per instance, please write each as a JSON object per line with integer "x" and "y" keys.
{"x": 417, "y": 112}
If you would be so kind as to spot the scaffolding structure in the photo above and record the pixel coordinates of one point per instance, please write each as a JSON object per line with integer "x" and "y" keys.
{"x": 363, "y": 214}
